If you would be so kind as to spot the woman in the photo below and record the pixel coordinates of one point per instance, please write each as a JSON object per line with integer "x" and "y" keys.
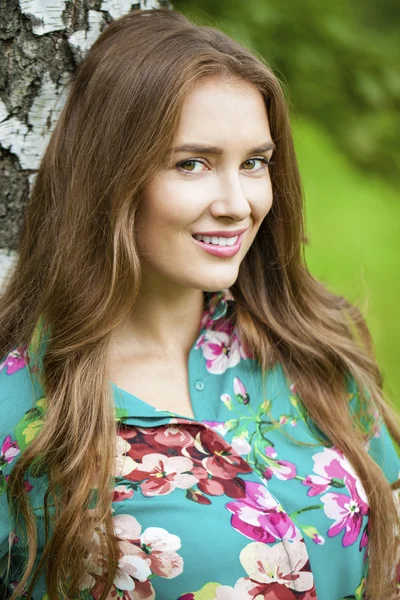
{"x": 186, "y": 413}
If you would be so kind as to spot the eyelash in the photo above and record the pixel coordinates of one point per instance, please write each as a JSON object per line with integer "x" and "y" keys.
{"x": 191, "y": 160}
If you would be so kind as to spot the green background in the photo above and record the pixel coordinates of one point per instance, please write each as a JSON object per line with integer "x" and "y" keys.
{"x": 339, "y": 64}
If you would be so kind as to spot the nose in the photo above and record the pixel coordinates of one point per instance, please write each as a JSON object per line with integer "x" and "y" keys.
{"x": 231, "y": 198}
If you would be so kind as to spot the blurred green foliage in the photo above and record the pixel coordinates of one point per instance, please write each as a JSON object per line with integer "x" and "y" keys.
{"x": 353, "y": 225}
{"x": 339, "y": 60}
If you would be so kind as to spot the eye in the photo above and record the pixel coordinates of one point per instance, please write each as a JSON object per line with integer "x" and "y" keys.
{"x": 261, "y": 159}
{"x": 191, "y": 163}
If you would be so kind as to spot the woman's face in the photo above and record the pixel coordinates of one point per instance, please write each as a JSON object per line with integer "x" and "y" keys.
{"x": 220, "y": 184}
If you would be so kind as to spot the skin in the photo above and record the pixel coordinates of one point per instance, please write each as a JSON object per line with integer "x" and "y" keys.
{"x": 226, "y": 192}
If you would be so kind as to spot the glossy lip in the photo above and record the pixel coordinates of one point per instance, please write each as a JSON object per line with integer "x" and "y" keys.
{"x": 221, "y": 233}
{"x": 222, "y": 251}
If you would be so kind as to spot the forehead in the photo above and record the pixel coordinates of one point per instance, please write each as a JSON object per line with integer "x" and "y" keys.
{"x": 221, "y": 111}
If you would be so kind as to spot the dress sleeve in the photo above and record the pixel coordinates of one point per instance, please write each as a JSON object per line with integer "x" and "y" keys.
{"x": 16, "y": 399}
{"x": 385, "y": 453}
{"x": 379, "y": 443}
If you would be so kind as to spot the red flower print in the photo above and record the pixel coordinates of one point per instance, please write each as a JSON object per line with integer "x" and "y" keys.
{"x": 122, "y": 492}
{"x": 221, "y": 465}
{"x": 160, "y": 474}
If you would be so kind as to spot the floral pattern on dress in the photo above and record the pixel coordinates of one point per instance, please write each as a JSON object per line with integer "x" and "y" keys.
{"x": 251, "y": 431}
{"x": 347, "y": 510}
{"x": 9, "y": 450}
{"x": 17, "y": 359}
{"x": 142, "y": 556}
{"x": 260, "y": 517}
{"x": 194, "y": 458}
{"x": 232, "y": 465}
{"x": 270, "y": 574}
{"x": 219, "y": 341}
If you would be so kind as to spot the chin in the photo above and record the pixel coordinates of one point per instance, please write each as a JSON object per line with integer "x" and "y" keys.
{"x": 218, "y": 285}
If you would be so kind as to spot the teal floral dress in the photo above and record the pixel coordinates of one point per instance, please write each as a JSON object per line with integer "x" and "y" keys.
{"x": 224, "y": 506}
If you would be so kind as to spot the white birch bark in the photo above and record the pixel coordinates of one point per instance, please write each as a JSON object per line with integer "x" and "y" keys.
{"x": 41, "y": 43}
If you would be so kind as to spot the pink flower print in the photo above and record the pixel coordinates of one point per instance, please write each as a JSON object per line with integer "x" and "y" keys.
{"x": 282, "y": 469}
{"x": 142, "y": 556}
{"x": 218, "y": 426}
{"x": 160, "y": 475}
{"x": 270, "y": 575}
{"x": 271, "y": 452}
{"x": 27, "y": 485}
{"x": 259, "y": 517}
{"x": 334, "y": 470}
{"x": 266, "y": 565}
{"x": 220, "y": 352}
{"x": 331, "y": 469}
{"x": 173, "y": 436}
{"x": 200, "y": 341}
{"x": 9, "y": 450}
{"x": 347, "y": 513}
{"x": 126, "y": 527}
{"x": 318, "y": 539}
{"x": 122, "y": 492}
{"x": 162, "y": 545}
{"x": 130, "y": 567}
{"x": 240, "y": 391}
{"x": 227, "y": 400}
{"x": 15, "y": 360}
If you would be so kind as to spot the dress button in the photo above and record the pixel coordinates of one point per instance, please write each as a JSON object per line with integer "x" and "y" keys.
{"x": 199, "y": 385}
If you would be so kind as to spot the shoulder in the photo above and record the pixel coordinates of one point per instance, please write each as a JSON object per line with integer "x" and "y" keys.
{"x": 18, "y": 390}
{"x": 378, "y": 442}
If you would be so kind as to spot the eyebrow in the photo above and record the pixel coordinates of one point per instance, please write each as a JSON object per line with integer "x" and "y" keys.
{"x": 201, "y": 149}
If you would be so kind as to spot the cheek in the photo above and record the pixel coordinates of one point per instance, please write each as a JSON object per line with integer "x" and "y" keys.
{"x": 262, "y": 198}
{"x": 173, "y": 205}
{"x": 168, "y": 208}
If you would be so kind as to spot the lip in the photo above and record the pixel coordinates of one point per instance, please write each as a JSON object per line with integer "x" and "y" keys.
{"x": 222, "y": 251}
{"x": 221, "y": 233}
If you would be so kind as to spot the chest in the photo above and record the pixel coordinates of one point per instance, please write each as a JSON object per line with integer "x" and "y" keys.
{"x": 160, "y": 383}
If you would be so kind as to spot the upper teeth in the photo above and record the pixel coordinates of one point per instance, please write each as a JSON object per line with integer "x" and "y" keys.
{"x": 221, "y": 241}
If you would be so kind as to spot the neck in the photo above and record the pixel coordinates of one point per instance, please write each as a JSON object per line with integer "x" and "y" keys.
{"x": 162, "y": 322}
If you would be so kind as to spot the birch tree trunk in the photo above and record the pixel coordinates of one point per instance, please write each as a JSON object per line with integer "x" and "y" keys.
{"x": 41, "y": 43}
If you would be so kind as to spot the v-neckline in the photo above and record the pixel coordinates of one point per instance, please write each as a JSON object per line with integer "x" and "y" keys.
{"x": 143, "y": 409}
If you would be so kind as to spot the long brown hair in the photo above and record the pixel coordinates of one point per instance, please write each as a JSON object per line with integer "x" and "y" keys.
{"x": 79, "y": 272}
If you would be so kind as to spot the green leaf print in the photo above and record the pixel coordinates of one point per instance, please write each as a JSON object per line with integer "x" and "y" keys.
{"x": 3, "y": 483}
{"x": 337, "y": 483}
{"x": 30, "y": 424}
{"x": 358, "y": 594}
{"x": 207, "y": 592}
{"x": 121, "y": 413}
{"x": 231, "y": 424}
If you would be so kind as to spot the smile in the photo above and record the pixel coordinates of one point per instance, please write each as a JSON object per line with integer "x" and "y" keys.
{"x": 223, "y": 247}
{"x": 217, "y": 240}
